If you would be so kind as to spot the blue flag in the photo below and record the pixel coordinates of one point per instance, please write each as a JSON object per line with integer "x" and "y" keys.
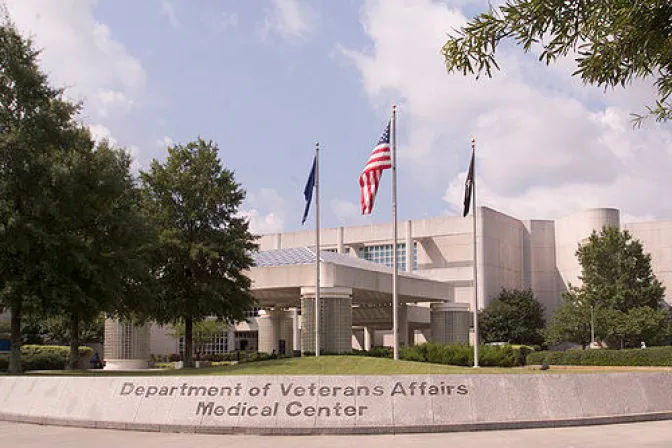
{"x": 308, "y": 191}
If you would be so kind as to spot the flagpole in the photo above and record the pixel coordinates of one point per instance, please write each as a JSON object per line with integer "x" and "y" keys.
{"x": 395, "y": 293}
{"x": 473, "y": 199}
{"x": 317, "y": 249}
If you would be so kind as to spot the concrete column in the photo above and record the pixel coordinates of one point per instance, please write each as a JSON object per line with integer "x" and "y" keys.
{"x": 403, "y": 325}
{"x": 409, "y": 247}
{"x": 335, "y": 319}
{"x": 275, "y": 331}
{"x": 278, "y": 240}
{"x": 481, "y": 262}
{"x": 296, "y": 341}
{"x": 368, "y": 338}
{"x": 126, "y": 345}
{"x": 339, "y": 241}
{"x": 231, "y": 340}
{"x": 450, "y": 322}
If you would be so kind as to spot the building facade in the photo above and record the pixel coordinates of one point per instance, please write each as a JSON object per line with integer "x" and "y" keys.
{"x": 511, "y": 253}
{"x": 435, "y": 259}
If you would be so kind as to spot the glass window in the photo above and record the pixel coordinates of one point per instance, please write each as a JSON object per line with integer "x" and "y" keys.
{"x": 382, "y": 254}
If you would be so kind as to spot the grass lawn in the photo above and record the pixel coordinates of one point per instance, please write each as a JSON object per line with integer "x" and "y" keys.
{"x": 337, "y": 365}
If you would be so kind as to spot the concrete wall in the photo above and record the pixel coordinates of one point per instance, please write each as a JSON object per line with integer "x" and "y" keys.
{"x": 339, "y": 404}
{"x": 160, "y": 340}
{"x": 573, "y": 230}
{"x": 539, "y": 266}
{"x": 656, "y": 239}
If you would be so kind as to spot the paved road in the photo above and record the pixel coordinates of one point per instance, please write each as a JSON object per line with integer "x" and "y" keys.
{"x": 650, "y": 435}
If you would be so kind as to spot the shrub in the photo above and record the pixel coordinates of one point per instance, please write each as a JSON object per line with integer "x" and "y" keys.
{"x": 463, "y": 355}
{"x": 653, "y": 356}
{"x": 47, "y": 357}
{"x": 408, "y": 353}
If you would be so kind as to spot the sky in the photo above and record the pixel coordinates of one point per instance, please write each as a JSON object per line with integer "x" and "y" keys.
{"x": 266, "y": 80}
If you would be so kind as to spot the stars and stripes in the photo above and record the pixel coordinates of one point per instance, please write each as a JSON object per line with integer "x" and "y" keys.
{"x": 380, "y": 159}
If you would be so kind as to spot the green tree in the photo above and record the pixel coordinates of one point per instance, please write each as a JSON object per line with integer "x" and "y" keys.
{"x": 100, "y": 237}
{"x": 55, "y": 330}
{"x": 515, "y": 317}
{"x": 36, "y": 128}
{"x": 204, "y": 244}
{"x": 619, "y": 293}
{"x": 616, "y": 41}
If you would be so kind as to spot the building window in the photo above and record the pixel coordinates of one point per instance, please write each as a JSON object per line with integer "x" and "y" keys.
{"x": 246, "y": 341}
{"x": 254, "y": 312}
{"x": 214, "y": 346}
{"x": 334, "y": 250}
{"x": 382, "y": 254}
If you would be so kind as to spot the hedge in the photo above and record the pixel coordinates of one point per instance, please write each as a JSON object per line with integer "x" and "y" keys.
{"x": 455, "y": 354}
{"x": 652, "y": 356}
{"x": 463, "y": 355}
{"x": 47, "y": 357}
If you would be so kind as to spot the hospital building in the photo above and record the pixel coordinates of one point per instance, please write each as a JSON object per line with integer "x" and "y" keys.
{"x": 435, "y": 282}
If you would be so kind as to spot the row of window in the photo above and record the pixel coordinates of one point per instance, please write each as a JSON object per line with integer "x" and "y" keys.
{"x": 382, "y": 254}
{"x": 243, "y": 340}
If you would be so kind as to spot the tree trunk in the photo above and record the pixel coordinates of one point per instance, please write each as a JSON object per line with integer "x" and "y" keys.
{"x": 15, "y": 354}
{"x": 188, "y": 342}
{"x": 73, "y": 362}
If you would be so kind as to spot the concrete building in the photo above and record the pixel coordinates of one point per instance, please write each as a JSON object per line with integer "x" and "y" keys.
{"x": 436, "y": 284}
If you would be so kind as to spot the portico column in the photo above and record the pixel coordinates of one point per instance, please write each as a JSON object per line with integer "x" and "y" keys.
{"x": 368, "y": 338}
{"x": 339, "y": 240}
{"x": 450, "y": 322}
{"x": 410, "y": 252}
{"x": 126, "y": 345}
{"x": 231, "y": 340}
{"x": 296, "y": 340}
{"x": 275, "y": 331}
{"x": 403, "y": 324}
{"x": 335, "y": 319}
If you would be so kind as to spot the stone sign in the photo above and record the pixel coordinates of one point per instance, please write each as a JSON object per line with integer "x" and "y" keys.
{"x": 329, "y": 404}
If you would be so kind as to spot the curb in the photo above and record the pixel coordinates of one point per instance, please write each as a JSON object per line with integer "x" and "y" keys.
{"x": 239, "y": 430}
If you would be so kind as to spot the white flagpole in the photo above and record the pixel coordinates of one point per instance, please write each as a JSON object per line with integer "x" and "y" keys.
{"x": 317, "y": 249}
{"x": 395, "y": 295}
{"x": 473, "y": 199}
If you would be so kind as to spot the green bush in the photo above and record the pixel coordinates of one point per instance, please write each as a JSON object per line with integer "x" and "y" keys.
{"x": 375, "y": 352}
{"x": 653, "y": 356}
{"x": 463, "y": 355}
{"x": 410, "y": 354}
{"x": 47, "y": 357}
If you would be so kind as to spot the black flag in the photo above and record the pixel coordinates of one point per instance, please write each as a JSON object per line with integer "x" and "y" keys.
{"x": 468, "y": 185}
{"x": 308, "y": 190}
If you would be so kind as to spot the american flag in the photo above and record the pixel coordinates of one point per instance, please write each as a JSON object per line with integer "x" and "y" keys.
{"x": 379, "y": 160}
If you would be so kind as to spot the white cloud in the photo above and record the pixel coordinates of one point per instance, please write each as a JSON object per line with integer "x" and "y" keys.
{"x": 266, "y": 211}
{"x": 165, "y": 142}
{"x": 112, "y": 100}
{"x": 80, "y": 54}
{"x": 100, "y": 133}
{"x": 289, "y": 19}
{"x": 546, "y": 146}
{"x": 348, "y": 213}
{"x": 168, "y": 10}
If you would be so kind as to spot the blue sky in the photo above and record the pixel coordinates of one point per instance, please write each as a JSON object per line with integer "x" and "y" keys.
{"x": 267, "y": 79}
